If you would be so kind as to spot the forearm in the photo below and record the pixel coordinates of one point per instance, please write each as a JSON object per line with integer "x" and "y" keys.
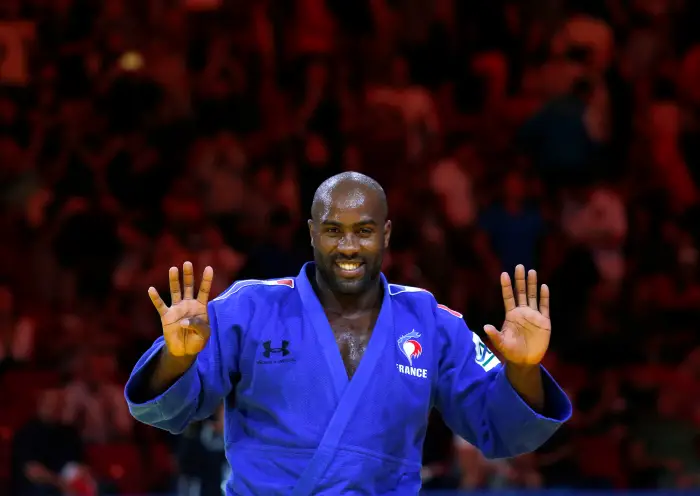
{"x": 527, "y": 382}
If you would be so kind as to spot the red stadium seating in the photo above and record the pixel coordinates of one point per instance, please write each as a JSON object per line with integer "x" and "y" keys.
{"x": 22, "y": 387}
{"x": 599, "y": 457}
{"x": 121, "y": 463}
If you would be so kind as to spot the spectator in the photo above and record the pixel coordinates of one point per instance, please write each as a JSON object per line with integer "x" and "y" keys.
{"x": 596, "y": 218}
{"x": 48, "y": 456}
{"x": 414, "y": 104}
{"x": 202, "y": 458}
{"x": 452, "y": 179}
{"x": 17, "y": 333}
{"x": 93, "y": 401}
{"x": 513, "y": 218}
{"x": 137, "y": 135}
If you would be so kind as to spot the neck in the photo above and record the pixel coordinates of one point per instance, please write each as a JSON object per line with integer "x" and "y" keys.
{"x": 347, "y": 303}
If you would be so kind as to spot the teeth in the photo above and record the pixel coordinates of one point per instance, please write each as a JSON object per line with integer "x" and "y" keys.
{"x": 349, "y": 266}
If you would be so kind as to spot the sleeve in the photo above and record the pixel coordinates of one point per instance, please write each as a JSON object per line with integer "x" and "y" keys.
{"x": 478, "y": 403}
{"x": 197, "y": 393}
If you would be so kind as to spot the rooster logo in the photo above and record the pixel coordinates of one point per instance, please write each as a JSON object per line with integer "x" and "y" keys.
{"x": 409, "y": 346}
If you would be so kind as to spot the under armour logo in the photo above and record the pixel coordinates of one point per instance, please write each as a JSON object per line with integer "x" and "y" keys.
{"x": 269, "y": 350}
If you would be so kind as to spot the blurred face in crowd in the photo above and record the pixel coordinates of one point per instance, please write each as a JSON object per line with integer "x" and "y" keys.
{"x": 49, "y": 405}
{"x": 349, "y": 234}
{"x": 316, "y": 151}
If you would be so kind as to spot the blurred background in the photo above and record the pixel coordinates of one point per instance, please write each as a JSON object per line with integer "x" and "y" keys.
{"x": 561, "y": 134}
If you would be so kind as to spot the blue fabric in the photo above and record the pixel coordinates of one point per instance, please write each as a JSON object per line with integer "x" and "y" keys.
{"x": 293, "y": 419}
{"x": 558, "y": 137}
{"x": 526, "y": 226}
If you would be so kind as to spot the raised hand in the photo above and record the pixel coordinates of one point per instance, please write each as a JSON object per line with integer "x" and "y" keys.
{"x": 185, "y": 323}
{"x": 524, "y": 338}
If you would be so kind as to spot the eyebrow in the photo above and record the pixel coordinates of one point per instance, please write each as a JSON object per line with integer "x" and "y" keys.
{"x": 364, "y": 222}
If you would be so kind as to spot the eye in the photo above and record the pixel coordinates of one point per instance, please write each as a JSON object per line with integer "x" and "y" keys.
{"x": 366, "y": 231}
{"x": 332, "y": 230}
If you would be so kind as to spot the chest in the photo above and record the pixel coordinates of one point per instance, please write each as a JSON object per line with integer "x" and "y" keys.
{"x": 352, "y": 335}
{"x": 310, "y": 364}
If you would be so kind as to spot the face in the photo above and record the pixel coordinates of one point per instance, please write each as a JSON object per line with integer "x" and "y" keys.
{"x": 50, "y": 405}
{"x": 316, "y": 151}
{"x": 349, "y": 237}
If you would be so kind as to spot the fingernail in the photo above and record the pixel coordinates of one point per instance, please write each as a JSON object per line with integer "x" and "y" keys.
{"x": 185, "y": 322}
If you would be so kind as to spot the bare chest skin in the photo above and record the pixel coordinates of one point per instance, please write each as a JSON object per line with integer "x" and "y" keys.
{"x": 352, "y": 335}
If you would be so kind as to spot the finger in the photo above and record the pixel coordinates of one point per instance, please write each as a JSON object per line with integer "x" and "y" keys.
{"x": 205, "y": 285}
{"x": 507, "y": 291}
{"x": 494, "y": 336}
{"x": 544, "y": 300}
{"x": 188, "y": 280}
{"x": 532, "y": 289}
{"x": 520, "y": 285}
{"x": 494, "y": 342}
{"x": 157, "y": 301}
{"x": 175, "y": 293}
{"x": 197, "y": 324}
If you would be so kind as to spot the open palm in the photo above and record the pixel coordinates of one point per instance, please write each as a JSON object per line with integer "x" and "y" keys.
{"x": 524, "y": 337}
{"x": 185, "y": 322}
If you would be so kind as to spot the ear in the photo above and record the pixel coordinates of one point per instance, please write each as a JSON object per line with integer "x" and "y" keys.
{"x": 310, "y": 223}
{"x": 387, "y": 233}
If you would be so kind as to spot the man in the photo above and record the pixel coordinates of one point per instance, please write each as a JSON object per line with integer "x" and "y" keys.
{"x": 48, "y": 456}
{"x": 201, "y": 458}
{"x": 328, "y": 377}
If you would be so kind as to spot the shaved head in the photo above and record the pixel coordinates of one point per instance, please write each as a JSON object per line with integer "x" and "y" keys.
{"x": 349, "y": 232}
{"x": 356, "y": 187}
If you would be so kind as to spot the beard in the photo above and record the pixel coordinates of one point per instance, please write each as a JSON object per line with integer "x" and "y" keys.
{"x": 327, "y": 267}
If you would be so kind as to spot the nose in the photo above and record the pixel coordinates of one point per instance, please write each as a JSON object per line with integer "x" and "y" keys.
{"x": 349, "y": 245}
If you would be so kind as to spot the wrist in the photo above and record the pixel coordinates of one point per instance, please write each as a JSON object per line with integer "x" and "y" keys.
{"x": 526, "y": 380}
{"x": 168, "y": 370}
{"x": 174, "y": 362}
{"x": 519, "y": 374}
{"x": 522, "y": 369}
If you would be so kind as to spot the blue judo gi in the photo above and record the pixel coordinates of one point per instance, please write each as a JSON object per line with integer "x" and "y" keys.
{"x": 296, "y": 425}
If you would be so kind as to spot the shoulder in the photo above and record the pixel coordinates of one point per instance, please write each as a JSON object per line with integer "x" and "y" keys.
{"x": 248, "y": 303}
{"x": 255, "y": 290}
{"x": 452, "y": 332}
{"x": 422, "y": 297}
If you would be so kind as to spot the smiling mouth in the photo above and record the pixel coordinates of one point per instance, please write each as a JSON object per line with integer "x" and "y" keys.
{"x": 349, "y": 269}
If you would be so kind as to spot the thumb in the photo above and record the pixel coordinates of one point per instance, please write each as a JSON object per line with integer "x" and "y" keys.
{"x": 494, "y": 336}
{"x": 197, "y": 324}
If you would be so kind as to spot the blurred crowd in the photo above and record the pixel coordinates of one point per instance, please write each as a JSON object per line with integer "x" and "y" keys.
{"x": 561, "y": 134}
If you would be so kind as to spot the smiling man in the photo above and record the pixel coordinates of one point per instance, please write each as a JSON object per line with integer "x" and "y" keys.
{"x": 328, "y": 377}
